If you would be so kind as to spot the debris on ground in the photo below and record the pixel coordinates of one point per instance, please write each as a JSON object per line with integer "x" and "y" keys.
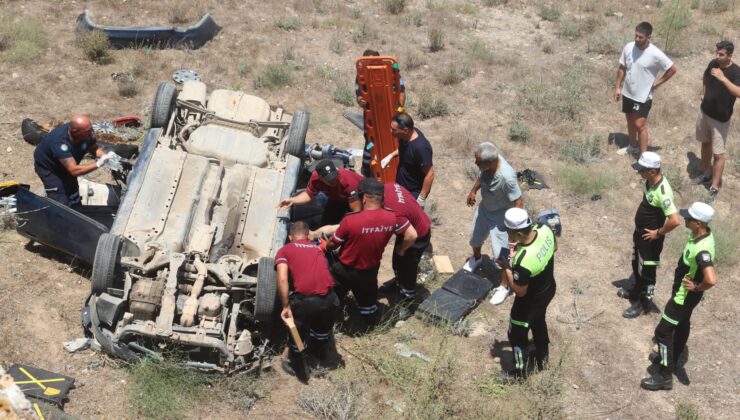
{"x": 443, "y": 264}
{"x": 42, "y": 385}
{"x": 80, "y": 344}
{"x": 13, "y": 403}
{"x": 404, "y": 351}
{"x": 532, "y": 179}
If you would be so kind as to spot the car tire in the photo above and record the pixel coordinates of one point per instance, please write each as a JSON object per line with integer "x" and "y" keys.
{"x": 266, "y": 299}
{"x": 106, "y": 271}
{"x": 296, "y": 143}
{"x": 163, "y": 105}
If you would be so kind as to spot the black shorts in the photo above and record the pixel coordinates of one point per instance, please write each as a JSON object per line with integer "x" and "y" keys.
{"x": 633, "y": 107}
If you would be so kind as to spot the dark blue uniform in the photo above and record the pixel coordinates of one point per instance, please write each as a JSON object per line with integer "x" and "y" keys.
{"x": 59, "y": 184}
{"x": 413, "y": 156}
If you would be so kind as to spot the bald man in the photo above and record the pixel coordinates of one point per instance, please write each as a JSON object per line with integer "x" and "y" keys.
{"x": 57, "y": 159}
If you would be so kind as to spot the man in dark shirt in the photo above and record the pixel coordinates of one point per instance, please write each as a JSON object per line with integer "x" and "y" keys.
{"x": 363, "y": 237}
{"x": 415, "y": 168}
{"x": 57, "y": 159}
{"x": 695, "y": 273}
{"x": 655, "y": 217}
{"x": 340, "y": 187}
{"x": 721, "y": 87}
{"x": 531, "y": 275}
{"x": 305, "y": 288}
{"x": 414, "y": 224}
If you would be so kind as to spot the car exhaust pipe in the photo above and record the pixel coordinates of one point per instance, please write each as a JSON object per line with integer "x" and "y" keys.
{"x": 191, "y": 305}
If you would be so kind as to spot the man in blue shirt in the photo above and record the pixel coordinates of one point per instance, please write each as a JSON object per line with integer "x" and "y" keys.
{"x": 415, "y": 167}
{"x": 57, "y": 159}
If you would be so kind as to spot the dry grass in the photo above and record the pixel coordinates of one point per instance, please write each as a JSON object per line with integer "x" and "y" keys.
{"x": 95, "y": 46}
{"x": 436, "y": 39}
{"x": 21, "y": 39}
{"x": 588, "y": 180}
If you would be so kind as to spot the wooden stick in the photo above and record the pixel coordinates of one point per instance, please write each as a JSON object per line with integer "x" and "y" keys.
{"x": 294, "y": 334}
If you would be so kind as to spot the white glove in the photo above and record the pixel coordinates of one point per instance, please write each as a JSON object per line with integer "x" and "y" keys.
{"x": 421, "y": 200}
{"x": 386, "y": 160}
{"x": 111, "y": 160}
{"x": 103, "y": 160}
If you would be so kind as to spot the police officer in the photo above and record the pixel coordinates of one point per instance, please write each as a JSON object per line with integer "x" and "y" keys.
{"x": 414, "y": 225}
{"x": 57, "y": 159}
{"x": 695, "y": 273}
{"x": 656, "y": 216}
{"x": 306, "y": 292}
{"x": 340, "y": 187}
{"x": 531, "y": 275}
{"x": 363, "y": 237}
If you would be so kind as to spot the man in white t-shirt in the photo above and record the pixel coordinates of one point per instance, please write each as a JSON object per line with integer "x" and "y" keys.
{"x": 636, "y": 80}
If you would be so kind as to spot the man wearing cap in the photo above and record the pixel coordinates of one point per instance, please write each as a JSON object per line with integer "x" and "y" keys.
{"x": 363, "y": 236}
{"x": 340, "y": 187}
{"x": 721, "y": 88}
{"x": 413, "y": 223}
{"x": 306, "y": 292}
{"x": 500, "y": 191}
{"x": 656, "y": 216}
{"x": 531, "y": 275}
{"x": 695, "y": 273}
{"x": 415, "y": 167}
{"x": 57, "y": 159}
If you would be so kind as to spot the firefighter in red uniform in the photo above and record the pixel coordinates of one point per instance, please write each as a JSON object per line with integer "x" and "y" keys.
{"x": 306, "y": 292}
{"x": 416, "y": 228}
{"x": 340, "y": 187}
{"x": 363, "y": 237}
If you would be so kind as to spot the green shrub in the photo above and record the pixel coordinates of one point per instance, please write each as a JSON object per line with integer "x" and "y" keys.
{"x": 394, "y": 7}
{"x": 454, "y": 74}
{"x": 491, "y": 3}
{"x": 686, "y": 411}
{"x": 291, "y": 23}
{"x": 362, "y": 33}
{"x": 95, "y": 46}
{"x": 695, "y": 4}
{"x": 587, "y": 150}
{"x": 571, "y": 29}
{"x": 586, "y": 180}
{"x": 465, "y": 7}
{"x": 336, "y": 45}
{"x": 549, "y": 13}
{"x": 436, "y": 39}
{"x": 21, "y": 40}
{"x": 345, "y": 94}
{"x": 431, "y": 106}
{"x": 414, "y": 18}
{"x": 274, "y": 76}
{"x": 717, "y": 6}
{"x": 519, "y": 130}
{"x": 355, "y": 12}
{"x": 327, "y": 72}
{"x": 478, "y": 50}
{"x": 709, "y": 28}
{"x": 674, "y": 17}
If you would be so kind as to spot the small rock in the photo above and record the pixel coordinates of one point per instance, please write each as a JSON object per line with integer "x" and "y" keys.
{"x": 9, "y": 149}
{"x": 575, "y": 386}
{"x": 618, "y": 14}
{"x": 77, "y": 345}
{"x": 497, "y": 359}
{"x": 400, "y": 324}
{"x": 14, "y": 75}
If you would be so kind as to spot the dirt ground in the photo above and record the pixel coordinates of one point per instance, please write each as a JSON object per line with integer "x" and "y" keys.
{"x": 41, "y": 292}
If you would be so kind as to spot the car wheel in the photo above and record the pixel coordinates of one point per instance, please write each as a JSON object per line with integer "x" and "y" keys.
{"x": 106, "y": 269}
{"x": 265, "y": 301}
{"x": 163, "y": 105}
{"x": 296, "y": 143}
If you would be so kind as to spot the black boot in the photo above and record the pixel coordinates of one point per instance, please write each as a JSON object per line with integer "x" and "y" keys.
{"x": 406, "y": 308}
{"x": 627, "y": 293}
{"x": 658, "y": 381}
{"x": 636, "y": 309}
{"x": 295, "y": 366}
{"x": 654, "y": 358}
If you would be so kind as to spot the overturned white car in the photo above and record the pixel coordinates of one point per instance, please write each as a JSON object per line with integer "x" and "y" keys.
{"x": 187, "y": 263}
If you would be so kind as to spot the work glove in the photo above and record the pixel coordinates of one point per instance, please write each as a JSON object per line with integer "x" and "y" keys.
{"x": 103, "y": 160}
{"x": 421, "y": 200}
{"x": 386, "y": 160}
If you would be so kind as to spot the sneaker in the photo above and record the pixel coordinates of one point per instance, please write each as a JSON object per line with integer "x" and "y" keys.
{"x": 629, "y": 150}
{"x": 499, "y": 295}
{"x": 702, "y": 179}
{"x": 712, "y": 195}
{"x": 472, "y": 264}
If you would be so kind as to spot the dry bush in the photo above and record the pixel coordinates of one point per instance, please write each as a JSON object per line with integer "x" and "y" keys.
{"x": 342, "y": 402}
{"x": 587, "y": 180}
{"x": 586, "y": 150}
{"x": 686, "y": 410}
{"x": 394, "y": 7}
{"x": 491, "y": 3}
{"x": 413, "y": 60}
{"x": 674, "y": 17}
{"x": 436, "y": 39}
{"x": 344, "y": 94}
{"x": 127, "y": 86}
{"x": 336, "y": 45}
{"x": 363, "y": 33}
{"x": 430, "y": 106}
{"x": 549, "y": 13}
{"x": 479, "y": 51}
{"x": 95, "y": 46}
{"x": 610, "y": 39}
{"x": 288, "y": 23}
{"x": 571, "y": 29}
{"x": 327, "y": 72}
{"x": 21, "y": 39}
{"x": 557, "y": 101}
{"x": 519, "y": 130}
{"x": 717, "y": 6}
{"x": 414, "y": 19}
{"x": 7, "y": 220}
{"x": 454, "y": 74}
{"x": 177, "y": 15}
